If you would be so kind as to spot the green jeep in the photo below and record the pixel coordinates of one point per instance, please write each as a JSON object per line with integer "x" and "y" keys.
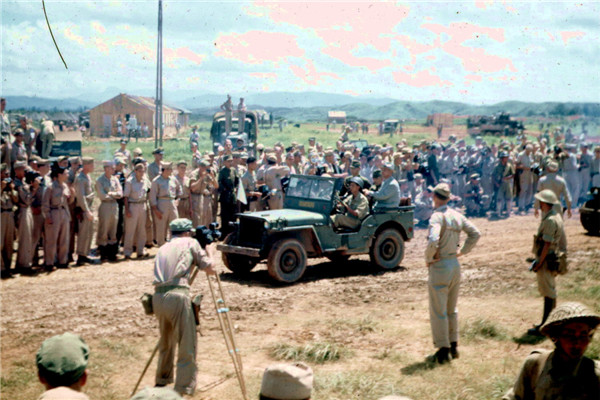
{"x": 303, "y": 228}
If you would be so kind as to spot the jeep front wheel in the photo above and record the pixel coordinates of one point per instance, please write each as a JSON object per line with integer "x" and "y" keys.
{"x": 387, "y": 251}
{"x": 237, "y": 263}
{"x": 287, "y": 260}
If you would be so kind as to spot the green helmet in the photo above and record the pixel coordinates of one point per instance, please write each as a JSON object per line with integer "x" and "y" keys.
{"x": 547, "y": 196}
{"x": 569, "y": 312}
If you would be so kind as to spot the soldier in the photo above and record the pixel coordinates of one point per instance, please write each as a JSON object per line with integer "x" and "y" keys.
{"x": 36, "y": 207}
{"x": 287, "y": 382}
{"x": 9, "y": 197}
{"x": 524, "y": 163}
{"x": 109, "y": 190}
{"x": 564, "y": 373}
{"x": 228, "y": 182}
{"x": 570, "y": 171}
{"x": 441, "y": 257}
{"x": 27, "y": 185}
{"x": 47, "y": 137}
{"x": 249, "y": 182}
{"x": 154, "y": 167}
{"x": 503, "y": 177}
{"x": 273, "y": 175}
{"x": 354, "y": 173}
{"x": 55, "y": 206}
{"x": 423, "y": 207}
{"x": 173, "y": 266}
{"x": 228, "y": 108}
{"x": 474, "y": 197}
{"x": 241, "y": 108}
{"x": 550, "y": 258}
{"x": 184, "y": 207}
{"x": 75, "y": 164}
{"x": 164, "y": 192}
{"x": 202, "y": 186}
{"x": 388, "y": 195}
{"x": 585, "y": 165}
{"x": 84, "y": 191}
{"x": 136, "y": 197}
{"x": 18, "y": 150}
{"x": 62, "y": 367}
{"x": 123, "y": 153}
{"x": 558, "y": 185}
{"x": 121, "y": 173}
{"x": 355, "y": 207}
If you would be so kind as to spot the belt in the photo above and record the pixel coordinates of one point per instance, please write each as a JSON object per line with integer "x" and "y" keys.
{"x": 137, "y": 202}
{"x": 169, "y": 288}
{"x": 109, "y": 201}
{"x": 166, "y": 198}
{"x": 58, "y": 208}
{"x": 7, "y": 210}
{"x": 184, "y": 198}
{"x": 197, "y": 194}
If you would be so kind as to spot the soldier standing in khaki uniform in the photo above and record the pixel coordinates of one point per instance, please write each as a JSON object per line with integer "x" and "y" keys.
{"x": 85, "y": 198}
{"x": 548, "y": 250}
{"x": 55, "y": 207}
{"x": 36, "y": 207}
{"x": 136, "y": 198}
{"x": 75, "y": 165}
{"x": 122, "y": 152}
{"x": 8, "y": 199}
{"x": 273, "y": 175}
{"x": 109, "y": 190}
{"x": 441, "y": 257}
{"x": 202, "y": 187}
{"x": 184, "y": 207}
{"x": 26, "y": 190}
{"x": 164, "y": 192}
{"x": 249, "y": 183}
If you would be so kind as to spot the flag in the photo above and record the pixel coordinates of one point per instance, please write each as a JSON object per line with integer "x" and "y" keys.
{"x": 241, "y": 194}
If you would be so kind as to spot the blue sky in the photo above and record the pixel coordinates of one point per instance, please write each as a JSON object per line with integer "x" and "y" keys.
{"x": 476, "y": 52}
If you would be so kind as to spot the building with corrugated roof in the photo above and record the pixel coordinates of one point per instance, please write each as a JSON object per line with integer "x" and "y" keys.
{"x": 137, "y": 110}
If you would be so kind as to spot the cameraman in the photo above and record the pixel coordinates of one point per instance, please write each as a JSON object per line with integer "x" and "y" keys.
{"x": 173, "y": 266}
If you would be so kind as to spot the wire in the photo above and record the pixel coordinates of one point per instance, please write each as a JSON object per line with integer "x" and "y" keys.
{"x": 51, "y": 34}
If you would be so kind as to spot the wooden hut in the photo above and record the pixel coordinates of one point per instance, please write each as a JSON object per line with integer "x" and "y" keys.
{"x": 339, "y": 117}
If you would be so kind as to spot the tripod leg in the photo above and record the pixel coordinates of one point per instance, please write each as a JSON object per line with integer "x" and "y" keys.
{"x": 145, "y": 369}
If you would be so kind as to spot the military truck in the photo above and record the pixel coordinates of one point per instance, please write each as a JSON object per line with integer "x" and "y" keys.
{"x": 303, "y": 229}
{"x": 218, "y": 133}
{"x": 501, "y": 124}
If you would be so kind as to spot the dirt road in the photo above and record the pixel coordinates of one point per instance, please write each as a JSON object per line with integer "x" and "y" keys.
{"x": 376, "y": 322}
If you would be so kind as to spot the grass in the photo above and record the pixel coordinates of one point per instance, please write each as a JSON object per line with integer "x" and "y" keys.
{"x": 319, "y": 352}
{"x": 355, "y": 385}
{"x": 482, "y": 329}
{"x": 363, "y": 325}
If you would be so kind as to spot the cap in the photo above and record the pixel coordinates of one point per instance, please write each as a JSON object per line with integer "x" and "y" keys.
{"x": 203, "y": 163}
{"x": 158, "y": 150}
{"x": 569, "y": 312}
{"x": 42, "y": 161}
{"x": 355, "y": 164}
{"x": 503, "y": 154}
{"x": 329, "y": 153}
{"x": 75, "y": 160}
{"x": 547, "y": 196}
{"x": 182, "y": 162}
{"x": 474, "y": 176}
{"x": 108, "y": 163}
{"x": 120, "y": 160}
{"x": 287, "y": 382}
{"x": 19, "y": 164}
{"x": 442, "y": 190}
{"x": 18, "y": 132}
{"x": 418, "y": 176}
{"x": 166, "y": 165}
{"x": 552, "y": 166}
{"x": 137, "y": 152}
{"x": 272, "y": 158}
{"x": 138, "y": 160}
{"x": 157, "y": 393}
{"x": 139, "y": 166}
{"x": 181, "y": 225}
{"x": 236, "y": 154}
{"x": 227, "y": 157}
{"x": 87, "y": 160}
{"x": 62, "y": 158}
{"x": 124, "y": 141}
{"x": 388, "y": 166}
{"x": 357, "y": 180}
{"x": 377, "y": 173}
{"x": 62, "y": 359}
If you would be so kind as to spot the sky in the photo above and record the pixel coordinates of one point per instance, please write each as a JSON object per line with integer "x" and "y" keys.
{"x": 474, "y": 52}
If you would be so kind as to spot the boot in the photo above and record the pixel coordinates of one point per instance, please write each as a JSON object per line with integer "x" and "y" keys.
{"x": 454, "y": 350}
{"x": 442, "y": 356}
{"x": 112, "y": 250}
{"x": 103, "y": 253}
{"x": 549, "y": 305}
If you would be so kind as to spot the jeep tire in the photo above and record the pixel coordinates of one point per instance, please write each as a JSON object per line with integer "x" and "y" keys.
{"x": 237, "y": 263}
{"x": 387, "y": 250}
{"x": 287, "y": 260}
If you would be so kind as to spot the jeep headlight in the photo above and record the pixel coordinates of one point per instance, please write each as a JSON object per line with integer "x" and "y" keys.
{"x": 267, "y": 225}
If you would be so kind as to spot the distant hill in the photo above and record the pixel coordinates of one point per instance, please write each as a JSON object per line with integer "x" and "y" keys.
{"x": 43, "y": 104}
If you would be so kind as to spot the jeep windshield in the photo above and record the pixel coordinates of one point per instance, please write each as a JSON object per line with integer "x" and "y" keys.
{"x": 313, "y": 189}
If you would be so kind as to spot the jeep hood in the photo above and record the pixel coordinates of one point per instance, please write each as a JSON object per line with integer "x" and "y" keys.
{"x": 288, "y": 216}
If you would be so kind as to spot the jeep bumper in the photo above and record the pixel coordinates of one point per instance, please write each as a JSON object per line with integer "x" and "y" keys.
{"x": 245, "y": 251}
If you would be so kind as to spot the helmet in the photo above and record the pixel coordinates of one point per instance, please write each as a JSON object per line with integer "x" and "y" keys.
{"x": 503, "y": 154}
{"x": 569, "y": 312}
{"x": 357, "y": 180}
{"x": 547, "y": 196}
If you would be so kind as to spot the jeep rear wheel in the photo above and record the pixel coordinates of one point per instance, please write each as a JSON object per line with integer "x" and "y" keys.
{"x": 387, "y": 251}
{"x": 237, "y": 263}
{"x": 287, "y": 260}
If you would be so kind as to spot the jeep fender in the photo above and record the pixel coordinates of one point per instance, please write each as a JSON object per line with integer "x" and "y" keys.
{"x": 388, "y": 224}
{"x": 304, "y": 234}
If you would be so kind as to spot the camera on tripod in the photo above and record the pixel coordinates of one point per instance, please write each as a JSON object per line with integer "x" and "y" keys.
{"x": 207, "y": 235}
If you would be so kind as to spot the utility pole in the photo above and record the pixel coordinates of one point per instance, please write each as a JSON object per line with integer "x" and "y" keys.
{"x": 158, "y": 120}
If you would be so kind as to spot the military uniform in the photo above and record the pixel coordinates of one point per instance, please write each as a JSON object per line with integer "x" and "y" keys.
{"x": 228, "y": 182}
{"x": 558, "y": 185}
{"x": 202, "y": 209}
{"x": 184, "y": 205}
{"x": 273, "y": 176}
{"x": 136, "y": 193}
{"x": 153, "y": 170}
{"x": 172, "y": 306}
{"x": 47, "y": 138}
{"x": 525, "y": 181}
{"x": 388, "y": 195}
{"x": 109, "y": 190}
{"x": 585, "y": 165}
{"x": 445, "y": 226}
{"x": 7, "y": 226}
{"x": 571, "y": 174}
{"x": 84, "y": 191}
{"x": 249, "y": 183}
{"x": 163, "y": 195}
{"x": 55, "y": 206}
{"x": 503, "y": 184}
{"x": 360, "y": 204}
{"x": 550, "y": 231}
{"x": 25, "y": 225}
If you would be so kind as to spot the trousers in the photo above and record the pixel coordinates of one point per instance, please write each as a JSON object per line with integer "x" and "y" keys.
{"x": 108, "y": 216}
{"x": 444, "y": 283}
{"x": 25, "y": 252}
{"x": 135, "y": 229}
{"x": 57, "y": 238}
{"x": 84, "y": 237}
{"x": 7, "y": 229}
{"x": 169, "y": 213}
{"x": 177, "y": 327}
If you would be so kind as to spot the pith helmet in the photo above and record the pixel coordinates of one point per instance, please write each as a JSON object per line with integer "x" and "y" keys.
{"x": 567, "y": 313}
{"x": 547, "y": 196}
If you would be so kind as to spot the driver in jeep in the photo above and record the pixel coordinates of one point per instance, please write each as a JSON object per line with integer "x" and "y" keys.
{"x": 355, "y": 207}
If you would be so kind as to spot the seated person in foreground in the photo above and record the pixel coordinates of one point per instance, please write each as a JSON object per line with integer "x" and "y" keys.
{"x": 356, "y": 207}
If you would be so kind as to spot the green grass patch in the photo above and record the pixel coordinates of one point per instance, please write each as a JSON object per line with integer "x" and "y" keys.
{"x": 391, "y": 355}
{"x": 319, "y": 352}
{"x": 593, "y": 350}
{"x": 363, "y": 325}
{"x": 354, "y": 385}
{"x": 119, "y": 349}
{"x": 482, "y": 329}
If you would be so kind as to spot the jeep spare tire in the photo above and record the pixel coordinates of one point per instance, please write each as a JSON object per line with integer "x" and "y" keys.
{"x": 287, "y": 260}
{"x": 387, "y": 250}
{"x": 237, "y": 263}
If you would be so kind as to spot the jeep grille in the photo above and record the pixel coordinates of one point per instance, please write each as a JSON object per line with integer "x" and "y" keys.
{"x": 251, "y": 232}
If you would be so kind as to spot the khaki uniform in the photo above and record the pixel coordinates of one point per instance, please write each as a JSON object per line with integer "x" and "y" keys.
{"x": 444, "y": 275}
{"x": 109, "y": 190}
{"x": 358, "y": 203}
{"x": 558, "y": 185}
{"x": 273, "y": 176}
{"x": 543, "y": 376}
{"x": 18, "y": 152}
{"x": 136, "y": 193}
{"x": 184, "y": 206}
{"x": 84, "y": 191}
{"x": 503, "y": 187}
{"x": 163, "y": 195}
{"x": 172, "y": 306}
{"x": 525, "y": 181}
{"x": 153, "y": 171}
{"x": 551, "y": 231}
{"x": 202, "y": 210}
{"x": 25, "y": 225}
{"x": 55, "y": 205}
{"x": 126, "y": 154}
{"x": 63, "y": 393}
{"x": 249, "y": 183}
{"x": 7, "y": 227}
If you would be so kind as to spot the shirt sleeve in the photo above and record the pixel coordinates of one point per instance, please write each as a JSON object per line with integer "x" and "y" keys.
{"x": 201, "y": 259}
{"x": 548, "y": 230}
{"x": 473, "y": 235}
{"x": 127, "y": 191}
{"x": 153, "y": 193}
{"x": 102, "y": 194}
{"x": 363, "y": 208}
{"x": 433, "y": 237}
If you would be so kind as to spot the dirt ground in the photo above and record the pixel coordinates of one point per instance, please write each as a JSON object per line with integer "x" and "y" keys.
{"x": 377, "y": 321}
